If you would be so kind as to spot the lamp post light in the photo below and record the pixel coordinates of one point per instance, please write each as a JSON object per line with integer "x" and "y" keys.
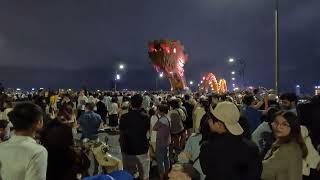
{"x": 117, "y": 77}
{"x": 240, "y": 66}
{"x": 158, "y": 77}
{"x": 191, "y": 85}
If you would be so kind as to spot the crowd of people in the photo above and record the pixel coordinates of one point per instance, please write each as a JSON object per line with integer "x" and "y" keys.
{"x": 245, "y": 135}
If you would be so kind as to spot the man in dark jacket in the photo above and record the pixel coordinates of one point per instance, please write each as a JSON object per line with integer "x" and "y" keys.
{"x": 189, "y": 108}
{"x": 227, "y": 155}
{"x": 134, "y": 144}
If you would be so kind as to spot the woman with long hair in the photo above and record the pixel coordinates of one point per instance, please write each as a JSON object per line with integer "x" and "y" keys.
{"x": 284, "y": 160}
{"x": 64, "y": 163}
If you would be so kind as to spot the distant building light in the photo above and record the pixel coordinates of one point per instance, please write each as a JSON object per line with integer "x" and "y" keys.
{"x": 297, "y": 86}
{"x": 18, "y": 89}
{"x": 191, "y": 82}
{"x": 32, "y": 89}
{"x": 233, "y": 79}
{"x": 233, "y": 72}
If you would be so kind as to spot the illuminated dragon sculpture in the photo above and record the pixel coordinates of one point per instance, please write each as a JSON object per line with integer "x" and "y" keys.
{"x": 217, "y": 87}
{"x": 169, "y": 57}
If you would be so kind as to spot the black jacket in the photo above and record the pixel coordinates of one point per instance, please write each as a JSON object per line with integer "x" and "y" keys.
{"x": 228, "y": 157}
{"x": 189, "y": 122}
{"x": 134, "y": 126}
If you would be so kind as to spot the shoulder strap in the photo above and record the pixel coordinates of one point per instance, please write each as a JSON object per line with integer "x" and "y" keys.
{"x": 168, "y": 121}
{"x": 193, "y": 162}
{"x": 178, "y": 111}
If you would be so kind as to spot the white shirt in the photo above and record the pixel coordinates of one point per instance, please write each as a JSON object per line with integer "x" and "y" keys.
{"x": 92, "y": 99}
{"x": 313, "y": 157}
{"x": 153, "y": 121}
{"x": 120, "y": 98}
{"x": 146, "y": 103}
{"x": 107, "y": 101}
{"x": 81, "y": 102}
{"x": 21, "y": 158}
{"x": 113, "y": 109}
{"x": 5, "y": 114}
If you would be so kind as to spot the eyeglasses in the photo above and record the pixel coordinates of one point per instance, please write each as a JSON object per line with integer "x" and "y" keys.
{"x": 283, "y": 124}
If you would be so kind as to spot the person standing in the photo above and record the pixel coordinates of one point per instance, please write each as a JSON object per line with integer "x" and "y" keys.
{"x": 284, "y": 160}
{"x": 82, "y": 100}
{"x": 64, "y": 162}
{"x": 21, "y": 157}
{"x": 113, "y": 114}
{"x": 178, "y": 134}
{"x": 134, "y": 143}
{"x": 252, "y": 113}
{"x": 226, "y": 154}
{"x": 89, "y": 123}
{"x": 102, "y": 109}
{"x": 288, "y": 102}
{"x": 188, "y": 124}
{"x": 163, "y": 141}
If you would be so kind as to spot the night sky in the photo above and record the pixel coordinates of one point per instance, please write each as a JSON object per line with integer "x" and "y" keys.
{"x": 74, "y": 43}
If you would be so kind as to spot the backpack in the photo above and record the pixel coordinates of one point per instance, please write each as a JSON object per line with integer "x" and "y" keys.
{"x": 176, "y": 122}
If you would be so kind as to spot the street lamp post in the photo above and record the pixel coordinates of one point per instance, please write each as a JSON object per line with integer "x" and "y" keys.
{"x": 160, "y": 76}
{"x": 115, "y": 81}
{"x": 240, "y": 70}
{"x": 117, "y": 77}
{"x": 277, "y": 38}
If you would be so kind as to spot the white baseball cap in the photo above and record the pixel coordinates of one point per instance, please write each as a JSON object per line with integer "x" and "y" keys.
{"x": 229, "y": 114}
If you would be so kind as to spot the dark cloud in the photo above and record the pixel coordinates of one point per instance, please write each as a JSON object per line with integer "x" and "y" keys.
{"x": 86, "y": 39}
